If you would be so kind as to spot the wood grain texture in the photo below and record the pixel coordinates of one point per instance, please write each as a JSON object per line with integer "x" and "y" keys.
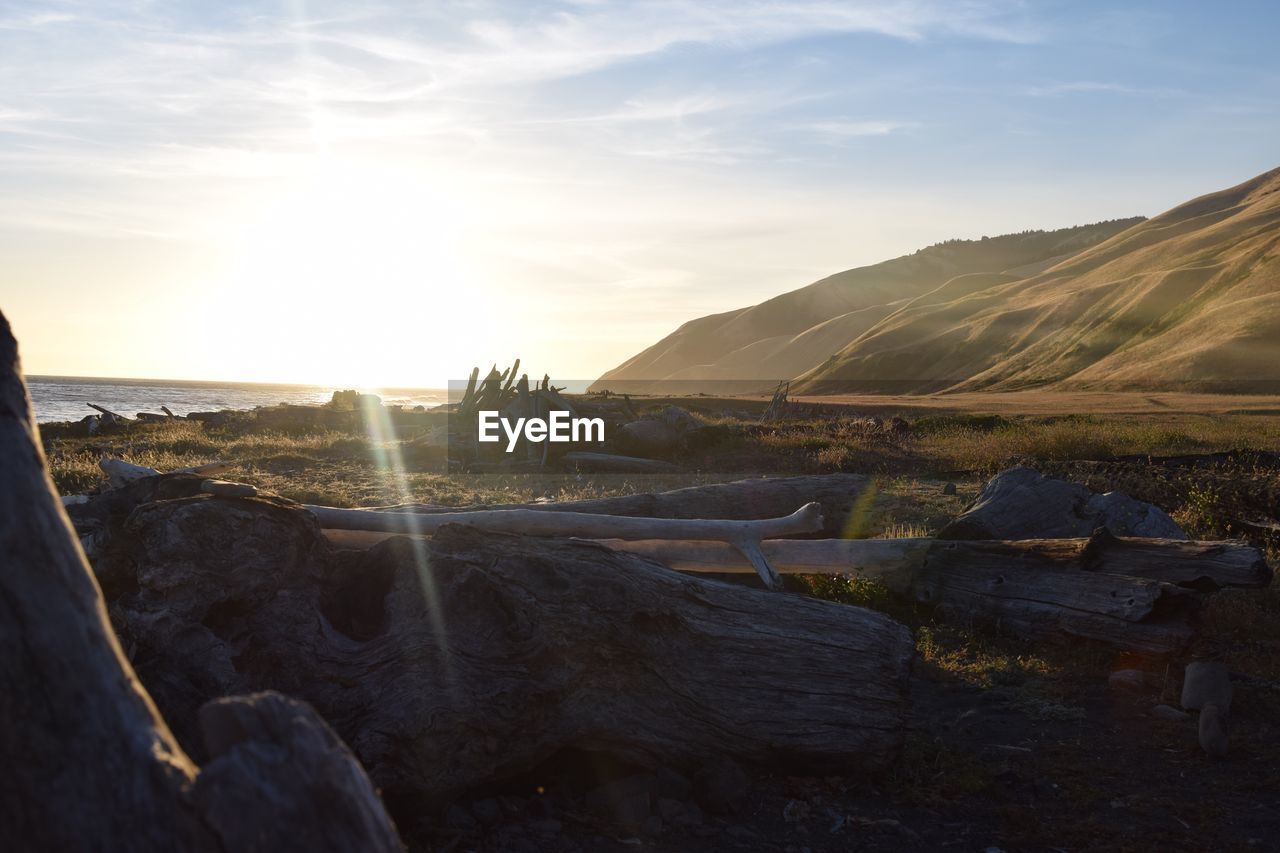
{"x": 451, "y": 663}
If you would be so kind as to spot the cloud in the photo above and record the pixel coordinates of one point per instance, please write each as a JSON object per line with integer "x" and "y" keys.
{"x": 1100, "y": 86}
{"x": 840, "y": 130}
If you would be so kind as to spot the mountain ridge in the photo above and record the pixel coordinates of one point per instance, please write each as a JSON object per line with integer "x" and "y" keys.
{"x": 1188, "y": 299}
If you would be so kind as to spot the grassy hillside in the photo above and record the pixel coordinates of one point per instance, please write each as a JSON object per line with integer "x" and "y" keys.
{"x": 1188, "y": 300}
{"x": 792, "y": 333}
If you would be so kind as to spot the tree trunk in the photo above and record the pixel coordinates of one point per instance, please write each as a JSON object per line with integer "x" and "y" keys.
{"x": 88, "y": 762}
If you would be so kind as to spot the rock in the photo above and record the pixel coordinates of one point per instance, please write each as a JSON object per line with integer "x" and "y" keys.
{"x": 1020, "y": 503}
{"x": 1168, "y": 712}
{"x": 1128, "y": 679}
{"x": 1206, "y": 683}
{"x": 652, "y": 826}
{"x": 1213, "y": 731}
{"x": 678, "y": 419}
{"x": 949, "y": 489}
{"x": 647, "y": 437}
{"x": 624, "y": 801}
{"x": 719, "y": 787}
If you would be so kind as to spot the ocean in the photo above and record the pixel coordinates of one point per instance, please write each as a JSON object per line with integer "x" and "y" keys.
{"x": 67, "y": 398}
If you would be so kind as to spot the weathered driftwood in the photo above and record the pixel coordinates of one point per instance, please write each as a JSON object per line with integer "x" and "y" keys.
{"x": 478, "y": 655}
{"x": 120, "y": 472}
{"x": 741, "y": 499}
{"x": 806, "y": 519}
{"x": 1122, "y": 591}
{"x": 88, "y": 762}
{"x": 745, "y": 536}
{"x": 1176, "y": 561}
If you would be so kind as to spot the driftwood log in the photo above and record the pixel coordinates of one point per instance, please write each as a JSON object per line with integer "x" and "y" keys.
{"x": 476, "y": 656}
{"x": 88, "y": 762}
{"x": 744, "y": 536}
{"x": 741, "y": 499}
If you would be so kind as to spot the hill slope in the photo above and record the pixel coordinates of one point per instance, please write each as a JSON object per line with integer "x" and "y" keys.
{"x": 783, "y": 337}
{"x": 1188, "y": 300}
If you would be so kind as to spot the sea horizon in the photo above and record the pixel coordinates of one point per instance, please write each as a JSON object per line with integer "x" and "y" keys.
{"x": 67, "y": 398}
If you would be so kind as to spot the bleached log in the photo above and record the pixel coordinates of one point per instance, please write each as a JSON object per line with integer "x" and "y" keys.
{"x": 806, "y": 519}
{"x": 743, "y": 535}
{"x": 108, "y": 412}
{"x": 760, "y": 497}
{"x": 120, "y": 472}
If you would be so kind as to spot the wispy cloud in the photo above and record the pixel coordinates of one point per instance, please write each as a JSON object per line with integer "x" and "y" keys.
{"x": 839, "y": 131}
{"x": 1101, "y": 86}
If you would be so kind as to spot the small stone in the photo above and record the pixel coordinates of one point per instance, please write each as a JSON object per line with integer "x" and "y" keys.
{"x": 1213, "y": 731}
{"x": 720, "y": 786}
{"x": 652, "y": 826}
{"x": 1206, "y": 683}
{"x": 949, "y": 489}
{"x": 1168, "y": 712}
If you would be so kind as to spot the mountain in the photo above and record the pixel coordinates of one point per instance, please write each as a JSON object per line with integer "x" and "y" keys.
{"x": 753, "y": 348}
{"x": 1188, "y": 300}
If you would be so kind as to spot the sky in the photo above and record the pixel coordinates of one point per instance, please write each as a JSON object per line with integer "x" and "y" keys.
{"x": 386, "y": 194}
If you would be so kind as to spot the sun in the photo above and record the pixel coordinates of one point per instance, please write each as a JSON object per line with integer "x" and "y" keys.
{"x": 355, "y": 277}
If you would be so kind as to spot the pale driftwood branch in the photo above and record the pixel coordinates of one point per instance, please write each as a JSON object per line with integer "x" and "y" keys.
{"x": 742, "y": 535}
{"x": 109, "y": 413}
{"x": 120, "y": 472}
{"x": 806, "y": 519}
{"x": 763, "y": 497}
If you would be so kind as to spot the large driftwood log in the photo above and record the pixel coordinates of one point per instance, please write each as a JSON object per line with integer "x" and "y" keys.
{"x": 477, "y": 655}
{"x": 88, "y": 762}
{"x": 741, "y": 499}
